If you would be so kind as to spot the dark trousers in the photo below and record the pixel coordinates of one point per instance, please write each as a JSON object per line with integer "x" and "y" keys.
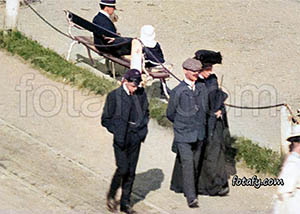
{"x": 126, "y": 161}
{"x": 190, "y": 154}
{"x": 121, "y": 46}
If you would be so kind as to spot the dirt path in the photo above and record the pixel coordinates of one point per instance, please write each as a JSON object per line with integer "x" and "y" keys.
{"x": 54, "y": 161}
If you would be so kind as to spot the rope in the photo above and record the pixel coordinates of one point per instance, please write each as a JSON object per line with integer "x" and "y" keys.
{"x": 256, "y": 107}
{"x": 48, "y": 23}
{"x": 161, "y": 64}
{"x": 66, "y": 35}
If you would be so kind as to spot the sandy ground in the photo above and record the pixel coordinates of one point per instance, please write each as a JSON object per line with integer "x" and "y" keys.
{"x": 62, "y": 163}
{"x": 56, "y": 158}
{"x": 259, "y": 41}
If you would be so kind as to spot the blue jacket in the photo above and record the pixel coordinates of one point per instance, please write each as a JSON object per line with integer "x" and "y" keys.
{"x": 187, "y": 110}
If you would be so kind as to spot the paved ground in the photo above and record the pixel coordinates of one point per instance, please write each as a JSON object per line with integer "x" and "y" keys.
{"x": 55, "y": 161}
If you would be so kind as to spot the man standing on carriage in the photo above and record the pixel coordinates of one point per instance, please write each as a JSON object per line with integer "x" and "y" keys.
{"x": 107, "y": 39}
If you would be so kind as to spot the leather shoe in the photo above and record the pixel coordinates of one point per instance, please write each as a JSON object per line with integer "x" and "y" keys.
{"x": 111, "y": 203}
{"x": 194, "y": 204}
{"x": 127, "y": 209}
{"x": 224, "y": 191}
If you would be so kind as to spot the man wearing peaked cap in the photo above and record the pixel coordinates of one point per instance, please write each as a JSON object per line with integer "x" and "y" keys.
{"x": 107, "y": 34}
{"x": 192, "y": 65}
{"x": 126, "y": 116}
{"x": 187, "y": 109}
{"x": 288, "y": 194}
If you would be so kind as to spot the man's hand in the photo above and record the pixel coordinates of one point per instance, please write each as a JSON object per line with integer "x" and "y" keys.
{"x": 218, "y": 114}
{"x": 109, "y": 39}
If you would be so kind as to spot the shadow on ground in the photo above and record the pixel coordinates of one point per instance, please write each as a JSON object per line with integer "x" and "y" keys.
{"x": 105, "y": 68}
{"x": 146, "y": 182}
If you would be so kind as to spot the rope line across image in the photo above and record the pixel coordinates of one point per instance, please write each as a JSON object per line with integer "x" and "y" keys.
{"x": 161, "y": 64}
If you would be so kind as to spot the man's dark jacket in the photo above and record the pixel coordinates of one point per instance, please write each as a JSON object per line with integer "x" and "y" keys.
{"x": 187, "y": 111}
{"x": 117, "y": 110}
{"x": 110, "y": 31}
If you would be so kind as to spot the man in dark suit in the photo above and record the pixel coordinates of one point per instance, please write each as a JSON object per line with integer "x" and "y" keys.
{"x": 116, "y": 45}
{"x": 187, "y": 111}
{"x": 126, "y": 116}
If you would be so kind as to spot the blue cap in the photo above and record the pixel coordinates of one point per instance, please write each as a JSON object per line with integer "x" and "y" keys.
{"x": 133, "y": 75}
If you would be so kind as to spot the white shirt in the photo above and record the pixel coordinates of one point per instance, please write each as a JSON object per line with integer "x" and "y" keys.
{"x": 105, "y": 13}
{"x": 126, "y": 89}
{"x": 190, "y": 83}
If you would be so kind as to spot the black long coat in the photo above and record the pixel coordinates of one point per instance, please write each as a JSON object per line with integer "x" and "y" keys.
{"x": 116, "y": 113}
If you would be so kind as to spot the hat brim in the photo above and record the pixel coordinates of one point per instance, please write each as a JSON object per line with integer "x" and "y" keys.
{"x": 148, "y": 41}
{"x": 294, "y": 138}
{"x": 192, "y": 70}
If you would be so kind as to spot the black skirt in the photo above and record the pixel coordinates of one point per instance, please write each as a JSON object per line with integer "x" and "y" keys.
{"x": 213, "y": 176}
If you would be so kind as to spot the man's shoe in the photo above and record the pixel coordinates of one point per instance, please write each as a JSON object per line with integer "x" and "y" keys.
{"x": 111, "y": 203}
{"x": 127, "y": 209}
{"x": 224, "y": 191}
{"x": 194, "y": 204}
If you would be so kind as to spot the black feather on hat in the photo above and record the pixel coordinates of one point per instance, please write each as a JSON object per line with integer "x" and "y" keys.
{"x": 208, "y": 57}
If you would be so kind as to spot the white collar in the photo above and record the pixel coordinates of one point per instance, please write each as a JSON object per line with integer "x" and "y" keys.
{"x": 105, "y": 13}
{"x": 201, "y": 77}
{"x": 295, "y": 154}
{"x": 126, "y": 89}
{"x": 190, "y": 83}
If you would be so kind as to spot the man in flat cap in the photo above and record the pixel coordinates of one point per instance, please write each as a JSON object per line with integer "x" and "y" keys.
{"x": 116, "y": 45}
{"x": 126, "y": 116}
{"x": 187, "y": 111}
{"x": 288, "y": 194}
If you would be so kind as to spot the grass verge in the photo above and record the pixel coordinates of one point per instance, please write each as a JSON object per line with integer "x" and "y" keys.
{"x": 261, "y": 159}
{"x": 52, "y": 63}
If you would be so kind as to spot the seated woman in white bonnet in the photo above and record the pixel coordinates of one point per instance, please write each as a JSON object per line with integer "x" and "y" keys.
{"x": 148, "y": 39}
{"x": 153, "y": 55}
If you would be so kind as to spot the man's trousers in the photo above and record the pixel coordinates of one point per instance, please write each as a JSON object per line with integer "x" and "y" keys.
{"x": 126, "y": 160}
{"x": 190, "y": 154}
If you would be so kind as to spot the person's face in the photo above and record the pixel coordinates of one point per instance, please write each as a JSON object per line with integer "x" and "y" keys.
{"x": 296, "y": 147}
{"x": 110, "y": 10}
{"x": 206, "y": 72}
{"x": 190, "y": 75}
{"x": 131, "y": 87}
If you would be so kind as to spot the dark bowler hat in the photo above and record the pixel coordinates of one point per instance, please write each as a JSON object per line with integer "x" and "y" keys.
{"x": 110, "y": 3}
{"x": 133, "y": 75}
{"x": 192, "y": 65}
